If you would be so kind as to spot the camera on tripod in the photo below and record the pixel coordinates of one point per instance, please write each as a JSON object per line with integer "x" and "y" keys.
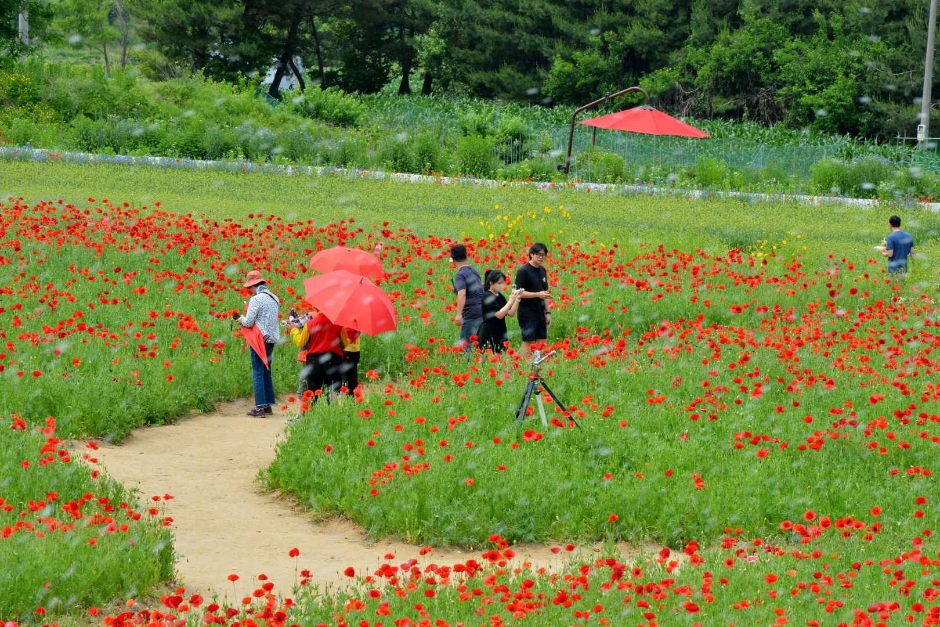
{"x": 538, "y": 358}
{"x": 535, "y": 387}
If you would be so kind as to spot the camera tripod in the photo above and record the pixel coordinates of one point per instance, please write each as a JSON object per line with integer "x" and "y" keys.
{"x": 535, "y": 386}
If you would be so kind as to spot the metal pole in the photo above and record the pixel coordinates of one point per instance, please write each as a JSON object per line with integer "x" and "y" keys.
{"x": 923, "y": 129}
{"x": 591, "y": 105}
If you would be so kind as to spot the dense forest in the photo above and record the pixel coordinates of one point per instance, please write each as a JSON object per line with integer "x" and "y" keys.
{"x": 847, "y": 66}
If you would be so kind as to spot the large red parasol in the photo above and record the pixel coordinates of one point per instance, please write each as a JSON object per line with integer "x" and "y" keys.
{"x": 647, "y": 120}
{"x": 351, "y": 301}
{"x": 350, "y": 259}
{"x": 643, "y": 119}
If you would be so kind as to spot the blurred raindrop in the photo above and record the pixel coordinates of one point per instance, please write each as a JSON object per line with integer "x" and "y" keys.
{"x": 532, "y": 91}
{"x": 874, "y": 39}
{"x": 867, "y": 185}
{"x": 672, "y": 178}
{"x": 864, "y": 10}
{"x": 595, "y": 32}
{"x": 890, "y": 86}
{"x": 915, "y": 172}
{"x": 864, "y": 100}
{"x": 188, "y": 113}
{"x": 400, "y": 137}
{"x": 821, "y": 113}
{"x": 75, "y": 39}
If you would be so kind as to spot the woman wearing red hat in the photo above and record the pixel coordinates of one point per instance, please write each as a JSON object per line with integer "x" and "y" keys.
{"x": 262, "y": 310}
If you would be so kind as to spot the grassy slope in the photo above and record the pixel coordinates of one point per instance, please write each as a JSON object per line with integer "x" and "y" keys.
{"x": 453, "y": 211}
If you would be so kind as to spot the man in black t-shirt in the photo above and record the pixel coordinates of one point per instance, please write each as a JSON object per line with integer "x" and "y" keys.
{"x": 469, "y": 290}
{"x": 534, "y": 316}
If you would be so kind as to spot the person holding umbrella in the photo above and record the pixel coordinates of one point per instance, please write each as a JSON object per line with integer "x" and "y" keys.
{"x": 262, "y": 311}
{"x": 321, "y": 354}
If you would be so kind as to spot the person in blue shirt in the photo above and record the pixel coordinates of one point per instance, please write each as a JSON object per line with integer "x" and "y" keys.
{"x": 899, "y": 246}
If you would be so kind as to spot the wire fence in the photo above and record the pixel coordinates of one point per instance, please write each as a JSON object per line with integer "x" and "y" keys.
{"x": 643, "y": 152}
{"x": 673, "y": 153}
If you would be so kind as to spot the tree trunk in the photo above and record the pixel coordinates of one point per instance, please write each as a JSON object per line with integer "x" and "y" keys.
{"x": 404, "y": 88}
{"x": 275, "y": 89}
{"x": 107, "y": 62}
{"x": 123, "y": 20}
{"x": 298, "y": 74}
{"x": 426, "y": 84}
{"x": 316, "y": 49}
{"x": 290, "y": 44}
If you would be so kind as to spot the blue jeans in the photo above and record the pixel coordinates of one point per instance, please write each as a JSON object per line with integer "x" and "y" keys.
{"x": 468, "y": 328}
{"x": 261, "y": 377}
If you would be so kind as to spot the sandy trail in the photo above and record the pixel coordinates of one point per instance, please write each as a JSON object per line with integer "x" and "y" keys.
{"x": 223, "y": 524}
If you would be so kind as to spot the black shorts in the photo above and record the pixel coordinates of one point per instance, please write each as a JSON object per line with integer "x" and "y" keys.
{"x": 533, "y": 329}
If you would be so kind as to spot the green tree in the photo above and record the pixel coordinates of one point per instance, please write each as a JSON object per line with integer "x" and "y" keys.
{"x": 39, "y": 13}
{"x": 199, "y": 35}
{"x": 87, "y": 23}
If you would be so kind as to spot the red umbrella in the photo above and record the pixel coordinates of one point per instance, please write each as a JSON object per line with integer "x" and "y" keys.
{"x": 350, "y": 259}
{"x": 255, "y": 340}
{"x": 351, "y": 301}
{"x": 647, "y": 120}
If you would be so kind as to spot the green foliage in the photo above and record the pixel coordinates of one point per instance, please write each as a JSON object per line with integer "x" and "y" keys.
{"x": 330, "y": 105}
{"x": 474, "y": 156}
{"x": 586, "y": 77}
{"x": 428, "y": 154}
{"x": 600, "y": 166}
{"x": 536, "y": 169}
{"x": 711, "y": 173}
{"x": 860, "y": 178}
{"x": 397, "y": 155}
{"x": 100, "y": 566}
{"x": 475, "y": 123}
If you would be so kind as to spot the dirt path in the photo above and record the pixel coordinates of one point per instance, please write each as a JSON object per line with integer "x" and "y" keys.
{"x": 223, "y": 523}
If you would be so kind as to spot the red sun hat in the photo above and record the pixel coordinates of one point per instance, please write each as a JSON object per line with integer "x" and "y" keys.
{"x": 253, "y": 278}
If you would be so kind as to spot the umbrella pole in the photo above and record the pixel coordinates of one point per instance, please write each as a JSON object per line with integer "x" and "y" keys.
{"x": 594, "y": 138}
{"x": 591, "y": 105}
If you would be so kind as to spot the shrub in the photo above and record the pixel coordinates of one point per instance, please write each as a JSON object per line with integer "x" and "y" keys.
{"x": 474, "y": 157}
{"x": 475, "y": 123}
{"x": 350, "y": 152}
{"x": 538, "y": 169}
{"x": 429, "y": 156}
{"x": 710, "y": 172}
{"x": 19, "y": 89}
{"x": 867, "y": 174}
{"x": 397, "y": 156}
{"x": 330, "y": 105}
{"x": 297, "y": 145}
{"x": 511, "y": 138}
{"x": 188, "y": 142}
{"x": 600, "y": 166}
{"x": 89, "y": 135}
{"x": 218, "y": 142}
{"x": 829, "y": 176}
{"x": 123, "y": 136}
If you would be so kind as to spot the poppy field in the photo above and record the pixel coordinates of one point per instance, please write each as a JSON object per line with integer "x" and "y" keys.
{"x": 747, "y": 395}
